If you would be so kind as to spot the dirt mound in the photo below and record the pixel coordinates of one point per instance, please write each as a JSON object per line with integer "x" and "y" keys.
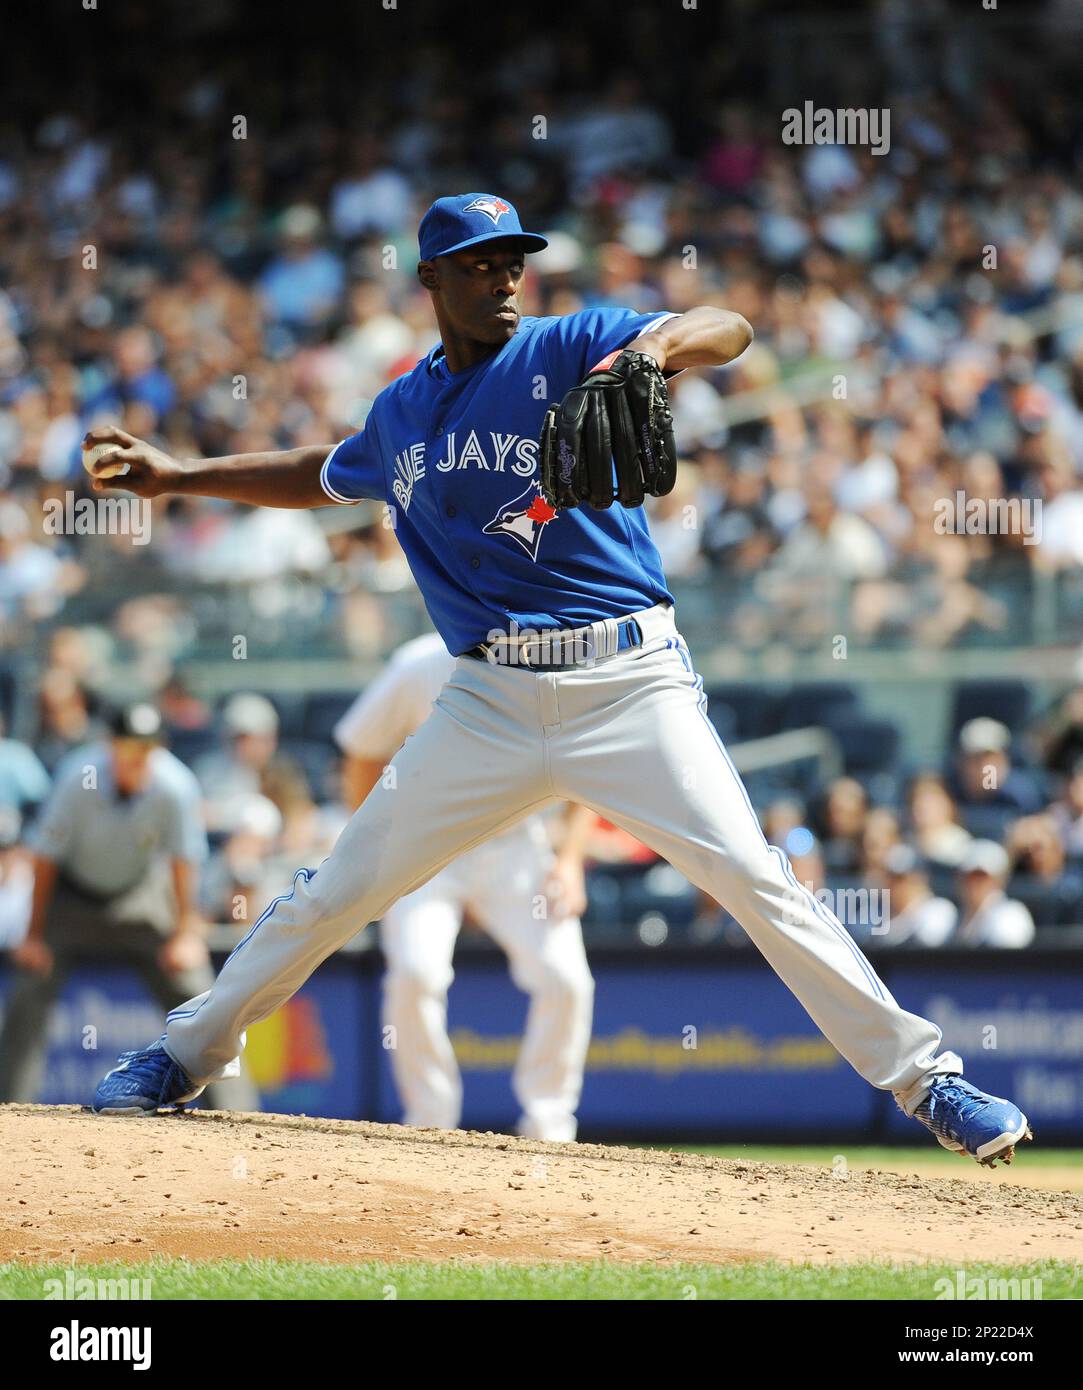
{"x": 206, "y": 1185}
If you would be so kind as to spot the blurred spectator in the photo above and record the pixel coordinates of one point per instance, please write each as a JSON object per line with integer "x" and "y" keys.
{"x": 989, "y": 916}
{"x": 181, "y": 709}
{"x": 371, "y": 196}
{"x": 739, "y": 535}
{"x": 34, "y": 579}
{"x": 135, "y": 379}
{"x": 881, "y": 833}
{"x": 780, "y": 818}
{"x": 65, "y": 717}
{"x": 934, "y": 820}
{"x": 303, "y": 284}
{"x": 806, "y": 858}
{"x": 673, "y": 522}
{"x": 618, "y": 131}
{"x": 23, "y": 780}
{"x": 1067, "y": 812}
{"x": 251, "y": 763}
{"x": 990, "y": 791}
{"x": 16, "y": 880}
{"x": 1041, "y": 878}
{"x": 915, "y": 916}
{"x": 1060, "y": 732}
{"x": 842, "y": 825}
{"x": 237, "y": 885}
{"x": 1060, "y": 539}
{"x": 264, "y": 543}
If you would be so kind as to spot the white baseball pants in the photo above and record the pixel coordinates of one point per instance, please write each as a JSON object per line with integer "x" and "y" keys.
{"x": 502, "y": 883}
{"x": 629, "y": 737}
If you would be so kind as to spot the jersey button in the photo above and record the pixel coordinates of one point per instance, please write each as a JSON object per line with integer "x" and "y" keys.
{"x": 451, "y": 511}
{"x": 475, "y": 563}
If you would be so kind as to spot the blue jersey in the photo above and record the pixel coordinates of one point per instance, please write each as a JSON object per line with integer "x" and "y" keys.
{"x": 455, "y": 456}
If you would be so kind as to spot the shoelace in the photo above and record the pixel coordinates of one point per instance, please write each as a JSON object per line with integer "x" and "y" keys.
{"x": 959, "y": 1100}
{"x": 146, "y": 1066}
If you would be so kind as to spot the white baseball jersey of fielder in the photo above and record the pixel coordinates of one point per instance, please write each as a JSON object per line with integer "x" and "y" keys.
{"x": 454, "y": 456}
{"x": 499, "y": 882}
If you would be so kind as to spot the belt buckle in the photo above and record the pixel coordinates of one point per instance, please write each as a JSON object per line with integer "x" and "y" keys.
{"x": 567, "y": 640}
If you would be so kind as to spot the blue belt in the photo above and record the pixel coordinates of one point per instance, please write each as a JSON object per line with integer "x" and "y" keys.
{"x": 557, "y": 649}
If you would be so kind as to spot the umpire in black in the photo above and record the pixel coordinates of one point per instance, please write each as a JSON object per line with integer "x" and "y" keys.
{"x": 117, "y": 854}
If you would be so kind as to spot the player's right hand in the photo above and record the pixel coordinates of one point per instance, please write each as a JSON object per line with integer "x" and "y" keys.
{"x": 150, "y": 471}
{"x": 33, "y": 954}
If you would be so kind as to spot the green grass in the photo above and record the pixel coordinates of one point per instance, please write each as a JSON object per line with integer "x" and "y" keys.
{"x": 598, "y": 1280}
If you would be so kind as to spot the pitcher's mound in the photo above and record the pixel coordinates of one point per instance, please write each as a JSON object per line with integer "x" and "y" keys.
{"x": 212, "y": 1185}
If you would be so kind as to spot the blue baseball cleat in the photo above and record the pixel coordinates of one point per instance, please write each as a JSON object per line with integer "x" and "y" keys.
{"x": 143, "y": 1082}
{"x": 968, "y": 1121}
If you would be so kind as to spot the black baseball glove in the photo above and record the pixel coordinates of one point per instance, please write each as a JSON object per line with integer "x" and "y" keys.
{"x": 619, "y": 415}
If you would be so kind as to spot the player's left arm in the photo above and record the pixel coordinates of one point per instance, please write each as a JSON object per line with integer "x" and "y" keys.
{"x": 703, "y": 337}
{"x": 567, "y": 879}
{"x": 610, "y": 439}
{"x": 359, "y": 776}
{"x": 186, "y": 947}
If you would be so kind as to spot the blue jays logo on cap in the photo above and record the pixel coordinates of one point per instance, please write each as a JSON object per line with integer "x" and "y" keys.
{"x": 453, "y": 224}
{"x": 491, "y": 207}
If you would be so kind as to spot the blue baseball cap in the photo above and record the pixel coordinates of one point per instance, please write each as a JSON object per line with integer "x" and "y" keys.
{"x": 453, "y": 224}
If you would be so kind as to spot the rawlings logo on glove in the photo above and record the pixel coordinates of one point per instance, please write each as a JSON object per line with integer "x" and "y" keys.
{"x": 611, "y": 438}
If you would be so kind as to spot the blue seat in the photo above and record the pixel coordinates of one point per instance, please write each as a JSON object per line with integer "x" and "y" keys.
{"x": 189, "y": 745}
{"x": 318, "y": 761}
{"x": 818, "y": 703}
{"x": 603, "y": 912}
{"x": 323, "y": 710}
{"x": 7, "y": 698}
{"x": 291, "y": 714}
{"x": 988, "y": 821}
{"x": 944, "y": 881}
{"x": 753, "y": 709}
{"x": 660, "y": 889}
{"x": 868, "y": 745}
{"x": 1056, "y": 904}
{"x": 1006, "y": 700}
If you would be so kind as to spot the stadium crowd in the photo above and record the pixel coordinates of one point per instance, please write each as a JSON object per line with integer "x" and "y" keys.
{"x": 220, "y": 282}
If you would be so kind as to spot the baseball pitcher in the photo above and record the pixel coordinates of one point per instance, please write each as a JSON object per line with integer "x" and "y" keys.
{"x": 523, "y": 527}
{"x": 525, "y": 896}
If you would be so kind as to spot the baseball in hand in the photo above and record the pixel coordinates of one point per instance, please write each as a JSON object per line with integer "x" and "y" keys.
{"x": 99, "y": 451}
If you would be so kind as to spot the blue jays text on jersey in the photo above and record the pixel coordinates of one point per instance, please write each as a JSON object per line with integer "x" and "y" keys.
{"x": 454, "y": 454}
